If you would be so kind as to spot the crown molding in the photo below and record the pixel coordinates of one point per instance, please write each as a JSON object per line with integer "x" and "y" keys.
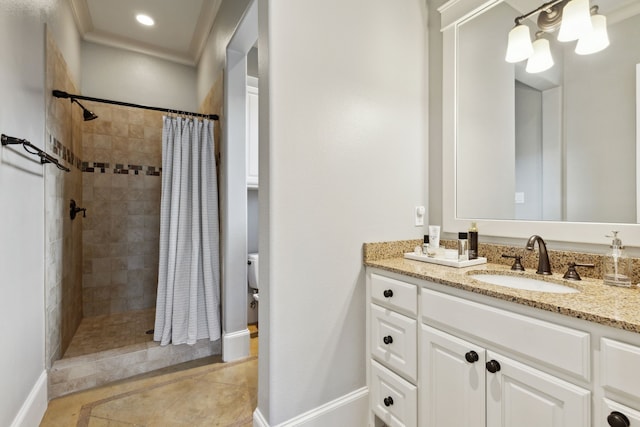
{"x": 203, "y": 28}
{"x": 88, "y": 32}
{"x": 81, "y": 15}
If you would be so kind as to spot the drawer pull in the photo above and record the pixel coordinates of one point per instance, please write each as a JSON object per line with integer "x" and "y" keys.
{"x": 617, "y": 419}
{"x": 493, "y": 366}
{"x": 471, "y": 356}
{"x": 388, "y": 293}
{"x": 388, "y": 401}
{"x": 387, "y": 340}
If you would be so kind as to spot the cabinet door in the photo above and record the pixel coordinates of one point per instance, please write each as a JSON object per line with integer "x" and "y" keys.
{"x": 452, "y": 388}
{"x": 252, "y": 137}
{"x": 520, "y": 396}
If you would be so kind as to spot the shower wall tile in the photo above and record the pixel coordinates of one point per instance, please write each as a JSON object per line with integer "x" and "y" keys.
{"x": 63, "y": 254}
{"x": 123, "y": 234}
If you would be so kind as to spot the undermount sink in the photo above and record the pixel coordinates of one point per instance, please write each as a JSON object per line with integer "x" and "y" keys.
{"x": 524, "y": 283}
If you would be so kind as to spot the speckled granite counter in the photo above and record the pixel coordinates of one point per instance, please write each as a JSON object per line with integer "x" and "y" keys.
{"x": 596, "y": 302}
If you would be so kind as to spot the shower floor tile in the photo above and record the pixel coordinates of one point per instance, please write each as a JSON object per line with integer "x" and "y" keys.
{"x": 106, "y": 332}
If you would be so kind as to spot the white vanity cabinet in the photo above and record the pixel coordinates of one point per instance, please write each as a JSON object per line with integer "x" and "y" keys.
{"x": 468, "y": 363}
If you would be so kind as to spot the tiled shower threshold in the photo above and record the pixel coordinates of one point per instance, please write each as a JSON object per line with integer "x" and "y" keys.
{"x": 110, "y": 348}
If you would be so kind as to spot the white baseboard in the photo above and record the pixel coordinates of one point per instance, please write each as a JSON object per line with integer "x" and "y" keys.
{"x": 235, "y": 345}
{"x": 348, "y": 410}
{"x": 258, "y": 419}
{"x": 34, "y": 406}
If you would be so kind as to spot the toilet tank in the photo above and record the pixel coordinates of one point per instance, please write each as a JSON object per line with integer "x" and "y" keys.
{"x": 252, "y": 270}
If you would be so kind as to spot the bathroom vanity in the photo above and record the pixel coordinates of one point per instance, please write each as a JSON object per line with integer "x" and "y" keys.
{"x": 444, "y": 349}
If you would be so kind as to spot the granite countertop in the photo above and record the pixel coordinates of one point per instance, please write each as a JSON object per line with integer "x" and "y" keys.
{"x": 595, "y": 301}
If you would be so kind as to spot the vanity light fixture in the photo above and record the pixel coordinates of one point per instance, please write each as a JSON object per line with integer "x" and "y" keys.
{"x": 541, "y": 59}
{"x": 596, "y": 40}
{"x": 145, "y": 19}
{"x": 519, "y": 47}
{"x": 576, "y": 21}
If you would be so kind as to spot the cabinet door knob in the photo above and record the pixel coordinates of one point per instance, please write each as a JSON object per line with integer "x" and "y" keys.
{"x": 388, "y": 339}
{"x": 618, "y": 419}
{"x": 493, "y": 366}
{"x": 388, "y": 293}
{"x": 388, "y": 401}
{"x": 471, "y": 356}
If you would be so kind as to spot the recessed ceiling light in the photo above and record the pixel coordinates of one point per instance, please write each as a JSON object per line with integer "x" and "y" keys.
{"x": 145, "y": 19}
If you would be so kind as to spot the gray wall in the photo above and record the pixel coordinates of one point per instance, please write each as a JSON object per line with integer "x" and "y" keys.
{"x": 345, "y": 149}
{"x": 137, "y": 78}
{"x": 486, "y": 153}
{"x": 528, "y": 172}
{"x": 22, "y": 215}
{"x": 213, "y": 57}
{"x": 600, "y": 128}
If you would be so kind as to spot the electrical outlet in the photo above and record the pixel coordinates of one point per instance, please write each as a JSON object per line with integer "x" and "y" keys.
{"x": 419, "y": 218}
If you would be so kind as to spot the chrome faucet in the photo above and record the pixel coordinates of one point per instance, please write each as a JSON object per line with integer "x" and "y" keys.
{"x": 544, "y": 266}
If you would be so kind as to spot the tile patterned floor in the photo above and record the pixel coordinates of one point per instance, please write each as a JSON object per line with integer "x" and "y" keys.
{"x": 107, "y": 332}
{"x": 192, "y": 394}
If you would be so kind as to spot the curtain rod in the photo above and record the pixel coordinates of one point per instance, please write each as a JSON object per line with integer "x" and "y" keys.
{"x": 62, "y": 94}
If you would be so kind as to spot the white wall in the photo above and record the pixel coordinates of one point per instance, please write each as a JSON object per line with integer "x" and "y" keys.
{"x": 137, "y": 78}
{"x": 343, "y": 149}
{"x": 23, "y": 385}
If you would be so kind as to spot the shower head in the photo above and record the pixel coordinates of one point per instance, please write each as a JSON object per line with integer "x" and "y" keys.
{"x": 86, "y": 114}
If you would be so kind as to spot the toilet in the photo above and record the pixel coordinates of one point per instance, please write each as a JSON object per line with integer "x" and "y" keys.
{"x": 252, "y": 274}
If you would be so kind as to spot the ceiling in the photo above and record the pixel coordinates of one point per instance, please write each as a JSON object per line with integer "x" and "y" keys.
{"x": 179, "y": 34}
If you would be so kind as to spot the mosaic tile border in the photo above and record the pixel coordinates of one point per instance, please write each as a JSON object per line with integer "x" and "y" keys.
{"x": 121, "y": 168}
{"x": 64, "y": 153}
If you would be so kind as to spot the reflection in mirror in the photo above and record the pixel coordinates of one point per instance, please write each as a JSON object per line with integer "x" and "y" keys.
{"x": 559, "y": 145}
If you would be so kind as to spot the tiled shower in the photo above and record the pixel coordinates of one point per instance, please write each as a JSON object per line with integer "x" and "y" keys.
{"x": 122, "y": 152}
{"x": 101, "y": 269}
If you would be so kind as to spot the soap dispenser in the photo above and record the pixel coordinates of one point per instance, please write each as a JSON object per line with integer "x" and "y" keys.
{"x": 617, "y": 267}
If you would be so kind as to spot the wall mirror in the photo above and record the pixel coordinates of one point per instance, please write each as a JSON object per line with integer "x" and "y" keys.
{"x": 552, "y": 153}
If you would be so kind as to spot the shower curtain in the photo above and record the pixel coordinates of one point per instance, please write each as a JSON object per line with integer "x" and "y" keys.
{"x": 188, "y": 300}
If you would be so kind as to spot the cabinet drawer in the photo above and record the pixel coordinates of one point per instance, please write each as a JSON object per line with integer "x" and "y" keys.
{"x": 620, "y": 366}
{"x": 609, "y": 407}
{"x": 552, "y": 345}
{"x": 394, "y": 341}
{"x": 394, "y": 294}
{"x": 393, "y": 399}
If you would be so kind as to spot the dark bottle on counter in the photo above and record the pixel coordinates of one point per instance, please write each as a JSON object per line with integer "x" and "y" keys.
{"x": 473, "y": 241}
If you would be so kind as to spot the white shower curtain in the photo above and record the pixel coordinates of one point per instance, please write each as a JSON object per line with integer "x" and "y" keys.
{"x": 188, "y": 302}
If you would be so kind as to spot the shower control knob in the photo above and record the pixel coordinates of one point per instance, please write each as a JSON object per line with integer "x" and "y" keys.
{"x": 618, "y": 419}
{"x": 388, "y": 401}
{"x": 493, "y": 366}
{"x": 388, "y": 339}
{"x": 388, "y": 293}
{"x": 471, "y": 357}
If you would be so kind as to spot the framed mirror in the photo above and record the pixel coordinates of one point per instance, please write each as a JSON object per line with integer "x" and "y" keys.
{"x": 551, "y": 153}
